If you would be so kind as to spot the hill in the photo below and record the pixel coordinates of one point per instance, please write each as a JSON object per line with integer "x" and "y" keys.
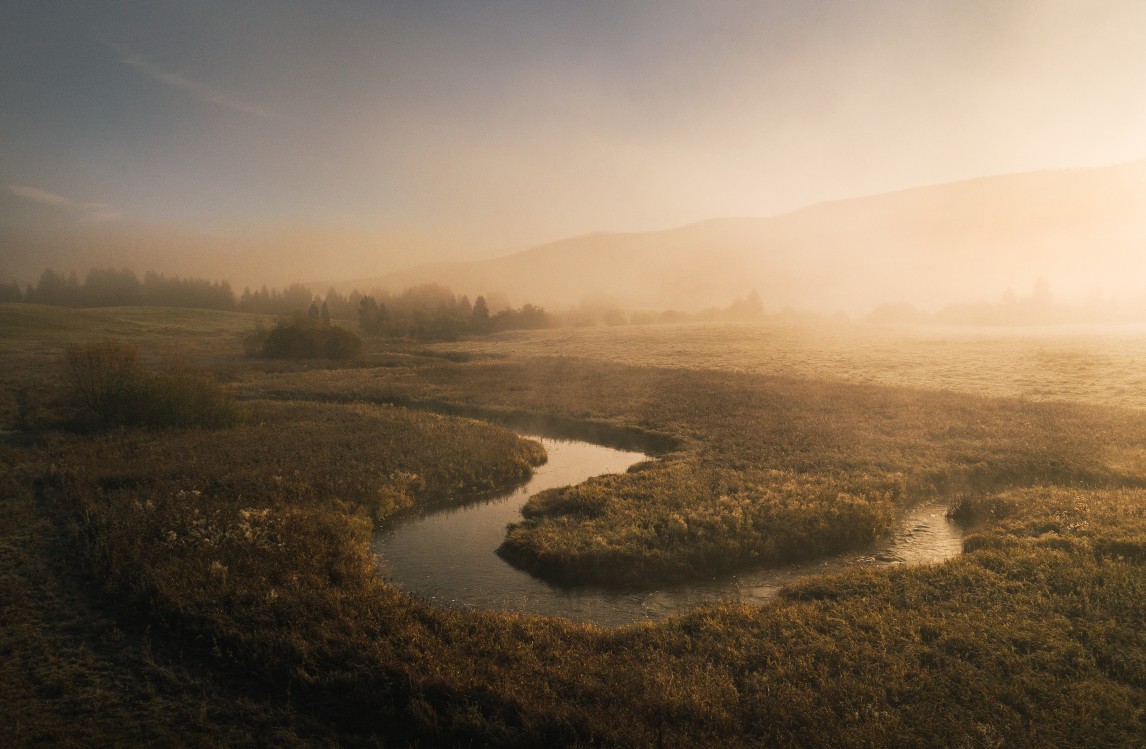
{"x": 1080, "y": 229}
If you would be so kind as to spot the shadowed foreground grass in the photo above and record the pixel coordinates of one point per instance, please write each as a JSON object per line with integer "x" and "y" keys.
{"x": 262, "y": 620}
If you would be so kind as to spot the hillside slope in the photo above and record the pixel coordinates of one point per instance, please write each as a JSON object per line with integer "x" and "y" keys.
{"x": 1080, "y": 229}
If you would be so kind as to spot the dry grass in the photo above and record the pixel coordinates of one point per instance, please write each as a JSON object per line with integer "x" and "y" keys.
{"x": 284, "y": 599}
{"x": 767, "y": 469}
{"x": 214, "y": 587}
{"x": 1085, "y": 364}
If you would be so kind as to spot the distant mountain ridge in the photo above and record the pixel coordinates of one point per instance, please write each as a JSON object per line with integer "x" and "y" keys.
{"x": 1080, "y": 229}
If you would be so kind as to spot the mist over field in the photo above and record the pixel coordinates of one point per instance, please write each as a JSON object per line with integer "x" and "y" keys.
{"x": 1080, "y": 232}
{"x": 833, "y": 157}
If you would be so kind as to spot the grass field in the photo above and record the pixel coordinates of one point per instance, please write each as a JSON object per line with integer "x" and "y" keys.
{"x": 1088, "y": 364}
{"x": 767, "y": 469}
{"x": 213, "y": 587}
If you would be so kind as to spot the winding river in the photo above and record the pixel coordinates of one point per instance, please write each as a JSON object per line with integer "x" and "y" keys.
{"x": 446, "y": 557}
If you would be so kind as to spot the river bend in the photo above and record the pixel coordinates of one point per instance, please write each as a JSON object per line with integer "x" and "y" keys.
{"x": 446, "y": 555}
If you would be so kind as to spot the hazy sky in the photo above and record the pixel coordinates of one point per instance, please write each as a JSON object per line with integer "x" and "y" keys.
{"x": 376, "y": 134}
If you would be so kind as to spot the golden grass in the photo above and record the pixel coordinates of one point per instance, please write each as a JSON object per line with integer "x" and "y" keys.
{"x": 767, "y": 469}
{"x": 286, "y": 595}
{"x": 214, "y": 587}
{"x": 1086, "y": 364}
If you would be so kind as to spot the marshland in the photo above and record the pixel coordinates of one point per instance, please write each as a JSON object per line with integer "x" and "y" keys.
{"x": 215, "y": 584}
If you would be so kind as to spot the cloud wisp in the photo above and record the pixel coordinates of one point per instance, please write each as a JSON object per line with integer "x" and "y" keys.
{"x": 201, "y": 91}
{"x": 88, "y": 211}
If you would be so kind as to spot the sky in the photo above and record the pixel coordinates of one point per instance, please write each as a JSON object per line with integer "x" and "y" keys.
{"x": 334, "y": 140}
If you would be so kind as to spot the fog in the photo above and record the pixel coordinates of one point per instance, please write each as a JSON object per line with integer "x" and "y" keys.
{"x": 354, "y": 145}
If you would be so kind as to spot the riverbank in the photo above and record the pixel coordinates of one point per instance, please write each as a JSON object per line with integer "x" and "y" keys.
{"x": 446, "y": 556}
{"x": 765, "y": 470}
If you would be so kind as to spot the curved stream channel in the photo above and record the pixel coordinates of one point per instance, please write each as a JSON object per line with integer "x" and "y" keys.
{"x": 445, "y": 555}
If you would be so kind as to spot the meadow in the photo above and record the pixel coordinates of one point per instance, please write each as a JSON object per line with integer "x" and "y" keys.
{"x": 764, "y": 469}
{"x": 213, "y": 586}
{"x": 1097, "y": 364}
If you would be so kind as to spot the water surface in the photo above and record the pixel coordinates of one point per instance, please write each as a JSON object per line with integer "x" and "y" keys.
{"x": 446, "y": 556}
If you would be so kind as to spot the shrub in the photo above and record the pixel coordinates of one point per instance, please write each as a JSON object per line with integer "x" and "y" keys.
{"x": 305, "y": 339}
{"x": 104, "y": 375}
{"x": 111, "y": 388}
{"x": 183, "y": 396}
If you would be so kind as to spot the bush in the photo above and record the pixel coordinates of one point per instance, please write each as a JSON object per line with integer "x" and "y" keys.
{"x": 111, "y": 388}
{"x": 183, "y": 396}
{"x": 104, "y": 375}
{"x": 305, "y": 339}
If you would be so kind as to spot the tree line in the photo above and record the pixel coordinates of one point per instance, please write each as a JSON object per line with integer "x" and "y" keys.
{"x": 425, "y": 312}
{"x": 433, "y": 312}
{"x": 109, "y": 287}
{"x": 1037, "y": 308}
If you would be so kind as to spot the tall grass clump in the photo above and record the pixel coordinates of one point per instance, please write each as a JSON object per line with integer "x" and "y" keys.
{"x": 108, "y": 386}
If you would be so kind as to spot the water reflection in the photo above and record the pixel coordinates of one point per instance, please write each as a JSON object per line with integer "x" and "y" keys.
{"x": 446, "y": 555}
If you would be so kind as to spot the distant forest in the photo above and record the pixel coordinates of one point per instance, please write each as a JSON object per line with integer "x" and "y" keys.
{"x": 1038, "y": 308}
{"x": 108, "y": 287}
{"x": 426, "y": 312}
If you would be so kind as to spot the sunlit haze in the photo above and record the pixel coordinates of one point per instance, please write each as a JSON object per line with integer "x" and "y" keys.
{"x": 327, "y": 142}
{"x": 566, "y": 373}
